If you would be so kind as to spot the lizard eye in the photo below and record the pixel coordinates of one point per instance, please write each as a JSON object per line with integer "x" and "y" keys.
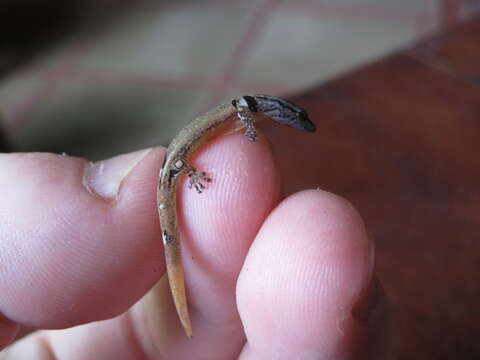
{"x": 246, "y": 101}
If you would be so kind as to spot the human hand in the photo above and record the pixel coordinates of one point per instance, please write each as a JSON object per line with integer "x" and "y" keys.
{"x": 82, "y": 243}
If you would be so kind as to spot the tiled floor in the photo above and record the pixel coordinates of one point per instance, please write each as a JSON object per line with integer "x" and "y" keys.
{"x": 134, "y": 79}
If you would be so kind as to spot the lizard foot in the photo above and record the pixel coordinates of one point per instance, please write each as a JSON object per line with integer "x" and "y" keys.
{"x": 196, "y": 179}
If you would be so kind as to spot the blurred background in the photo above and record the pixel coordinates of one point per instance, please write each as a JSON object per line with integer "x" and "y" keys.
{"x": 98, "y": 78}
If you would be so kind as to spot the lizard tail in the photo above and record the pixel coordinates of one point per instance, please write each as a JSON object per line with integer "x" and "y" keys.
{"x": 177, "y": 284}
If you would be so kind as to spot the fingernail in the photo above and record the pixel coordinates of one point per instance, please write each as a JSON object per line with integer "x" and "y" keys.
{"x": 369, "y": 299}
{"x": 105, "y": 177}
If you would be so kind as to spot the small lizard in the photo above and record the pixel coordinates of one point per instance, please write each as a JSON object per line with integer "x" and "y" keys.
{"x": 225, "y": 118}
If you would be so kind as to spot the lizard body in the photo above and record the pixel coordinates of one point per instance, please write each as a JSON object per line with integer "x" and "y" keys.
{"x": 225, "y": 118}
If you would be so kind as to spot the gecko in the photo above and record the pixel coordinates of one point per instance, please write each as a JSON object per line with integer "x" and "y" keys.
{"x": 240, "y": 113}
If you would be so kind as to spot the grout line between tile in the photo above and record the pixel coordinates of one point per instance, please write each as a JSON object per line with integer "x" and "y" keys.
{"x": 348, "y": 11}
{"x": 49, "y": 80}
{"x": 46, "y": 88}
{"x": 228, "y": 76}
{"x": 160, "y": 80}
{"x": 449, "y": 12}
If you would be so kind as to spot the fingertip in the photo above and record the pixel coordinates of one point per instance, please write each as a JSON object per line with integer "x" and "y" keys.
{"x": 216, "y": 230}
{"x": 244, "y": 188}
{"x": 306, "y": 270}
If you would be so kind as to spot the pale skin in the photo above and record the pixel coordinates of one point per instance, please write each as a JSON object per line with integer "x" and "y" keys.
{"x": 225, "y": 118}
{"x": 89, "y": 270}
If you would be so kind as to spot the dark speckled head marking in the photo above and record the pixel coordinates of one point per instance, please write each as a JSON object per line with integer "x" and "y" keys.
{"x": 283, "y": 112}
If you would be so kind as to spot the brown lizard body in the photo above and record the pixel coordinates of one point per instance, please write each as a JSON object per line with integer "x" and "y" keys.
{"x": 243, "y": 112}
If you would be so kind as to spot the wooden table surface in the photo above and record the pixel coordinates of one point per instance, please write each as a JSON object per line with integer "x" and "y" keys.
{"x": 401, "y": 140}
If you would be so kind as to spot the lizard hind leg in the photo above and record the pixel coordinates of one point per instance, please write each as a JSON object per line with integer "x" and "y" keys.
{"x": 196, "y": 179}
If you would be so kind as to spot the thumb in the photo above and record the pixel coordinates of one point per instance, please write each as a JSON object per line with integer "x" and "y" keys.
{"x": 79, "y": 241}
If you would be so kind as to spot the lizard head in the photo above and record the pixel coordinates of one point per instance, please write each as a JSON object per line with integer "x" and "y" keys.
{"x": 278, "y": 110}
